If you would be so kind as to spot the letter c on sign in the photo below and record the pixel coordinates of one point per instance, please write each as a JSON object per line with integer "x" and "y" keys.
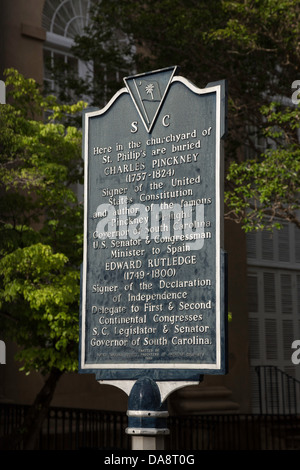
{"x": 164, "y": 123}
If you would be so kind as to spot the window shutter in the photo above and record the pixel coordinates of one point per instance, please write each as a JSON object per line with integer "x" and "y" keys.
{"x": 297, "y": 244}
{"x": 269, "y": 292}
{"x": 251, "y": 245}
{"x": 283, "y": 244}
{"x": 252, "y": 293}
{"x": 287, "y": 335}
{"x": 254, "y": 338}
{"x": 267, "y": 245}
{"x": 271, "y": 339}
{"x": 286, "y": 294}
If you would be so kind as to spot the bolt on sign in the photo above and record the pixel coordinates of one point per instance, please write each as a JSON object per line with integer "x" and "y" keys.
{"x": 153, "y": 284}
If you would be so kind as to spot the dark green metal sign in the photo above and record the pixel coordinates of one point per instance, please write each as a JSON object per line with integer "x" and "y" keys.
{"x": 153, "y": 277}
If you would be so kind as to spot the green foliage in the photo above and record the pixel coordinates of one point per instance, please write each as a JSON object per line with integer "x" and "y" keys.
{"x": 264, "y": 190}
{"x": 40, "y": 226}
{"x": 40, "y": 292}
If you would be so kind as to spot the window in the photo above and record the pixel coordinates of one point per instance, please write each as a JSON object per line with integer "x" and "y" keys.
{"x": 53, "y": 58}
{"x": 279, "y": 248}
{"x": 94, "y": 81}
{"x": 273, "y": 299}
{"x": 66, "y": 18}
{"x": 63, "y": 20}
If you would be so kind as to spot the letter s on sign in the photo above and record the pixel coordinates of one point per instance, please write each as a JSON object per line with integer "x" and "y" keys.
{"x": 134, "y": 127}
{"x": 296, "y": 354}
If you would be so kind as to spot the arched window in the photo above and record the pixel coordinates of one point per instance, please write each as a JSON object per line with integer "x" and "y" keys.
{"x": 63, "y": 20}
{"x": 66, "y": 18}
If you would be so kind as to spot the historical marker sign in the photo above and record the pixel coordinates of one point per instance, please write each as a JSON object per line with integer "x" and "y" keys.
{"x": 153, "y": 279}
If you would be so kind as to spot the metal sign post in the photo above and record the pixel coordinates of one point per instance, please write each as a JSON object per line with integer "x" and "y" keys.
{"x": 147, "y": 416}
{"x": 153, "y": 295}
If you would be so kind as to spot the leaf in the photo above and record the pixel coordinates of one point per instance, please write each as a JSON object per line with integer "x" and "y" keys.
{"x": 40, "y": 226}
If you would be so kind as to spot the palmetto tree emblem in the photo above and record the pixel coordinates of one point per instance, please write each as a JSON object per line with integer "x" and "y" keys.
{"x": 149, "y": 90}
